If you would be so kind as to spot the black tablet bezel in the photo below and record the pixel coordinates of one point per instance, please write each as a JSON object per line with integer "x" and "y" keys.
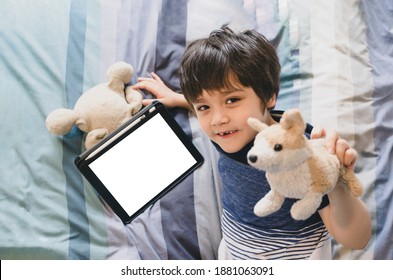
{"x": 82, "y": 161}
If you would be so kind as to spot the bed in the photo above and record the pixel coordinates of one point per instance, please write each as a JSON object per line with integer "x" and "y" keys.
{"x": 337, "y": 67}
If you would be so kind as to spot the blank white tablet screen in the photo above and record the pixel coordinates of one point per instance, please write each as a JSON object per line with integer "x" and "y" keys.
{"x": 141, "y": 165}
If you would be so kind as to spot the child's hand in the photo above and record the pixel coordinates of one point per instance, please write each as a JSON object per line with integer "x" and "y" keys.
{"x": 162, "y": 93}
{"x": 340, "y": 147}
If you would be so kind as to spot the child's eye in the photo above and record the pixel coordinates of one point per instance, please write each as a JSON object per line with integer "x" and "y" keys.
{"x": 232, "y": 100}
{"x": 202, "y": 108}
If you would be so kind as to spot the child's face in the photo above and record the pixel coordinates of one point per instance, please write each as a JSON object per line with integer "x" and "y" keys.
{"x": 223, "y": 115}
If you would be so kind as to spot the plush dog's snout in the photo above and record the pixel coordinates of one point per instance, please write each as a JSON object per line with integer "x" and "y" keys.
{"x": 252, "y": 158}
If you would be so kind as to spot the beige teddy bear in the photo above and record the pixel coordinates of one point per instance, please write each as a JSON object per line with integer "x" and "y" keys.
{"x": 101, "y": 109}
{"x": 296, "y": 167}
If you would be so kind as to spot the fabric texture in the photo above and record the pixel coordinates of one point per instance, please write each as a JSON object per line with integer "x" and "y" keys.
{"x": 336, "y": 59}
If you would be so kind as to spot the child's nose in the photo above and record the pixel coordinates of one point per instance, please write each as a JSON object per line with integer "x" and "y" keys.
{"x": 219, "y": 117}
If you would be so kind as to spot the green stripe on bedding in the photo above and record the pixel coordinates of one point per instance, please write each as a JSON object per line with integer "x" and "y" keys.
{"x": 95, "y": 212}
{"x": 72, "y": 142}
{"x": 33, "y": 210}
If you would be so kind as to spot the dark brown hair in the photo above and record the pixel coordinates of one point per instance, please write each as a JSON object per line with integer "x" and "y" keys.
{"x": 208, "y": 64}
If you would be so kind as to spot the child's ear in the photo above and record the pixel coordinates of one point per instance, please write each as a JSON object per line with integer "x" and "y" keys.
{"x": 256, "y": 124}
{"x": 293, "y": 120}
{"x": 272, "y": 102}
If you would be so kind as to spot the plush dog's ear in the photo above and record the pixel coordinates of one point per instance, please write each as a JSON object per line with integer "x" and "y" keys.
{"x": 293, "y": 120}
{"x": 256, "y": 124}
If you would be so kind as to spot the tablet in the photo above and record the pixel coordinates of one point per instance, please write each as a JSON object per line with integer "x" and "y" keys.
{"x": 140, "y": 162}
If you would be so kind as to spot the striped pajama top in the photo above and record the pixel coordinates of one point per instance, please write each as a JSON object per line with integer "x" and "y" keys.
{"x": 276, "y": 236}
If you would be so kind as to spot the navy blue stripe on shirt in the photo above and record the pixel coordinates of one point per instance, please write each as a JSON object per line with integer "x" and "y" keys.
{"x": 245, "y": 242}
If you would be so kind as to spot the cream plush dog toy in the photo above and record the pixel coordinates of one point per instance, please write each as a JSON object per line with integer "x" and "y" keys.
{"x": 101, "y": 109}
{"x": 296, "y": 167}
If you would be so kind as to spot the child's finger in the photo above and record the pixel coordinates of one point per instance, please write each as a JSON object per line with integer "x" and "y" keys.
{"x": 318, "y": 132}
{"x": 146, "y": 102}
{"x": 350, "y": 158}
{"x": 331, "y": 141}
{"x": 156, "y": 77}
{"x": 345, "y": 154}
{"x": 341, "y": 147}
{"x": 144, "y": 79}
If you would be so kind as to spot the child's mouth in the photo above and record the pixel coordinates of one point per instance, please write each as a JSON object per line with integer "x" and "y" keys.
{"x": 226, "y": 133}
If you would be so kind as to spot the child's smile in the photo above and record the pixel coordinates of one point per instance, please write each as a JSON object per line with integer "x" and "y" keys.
{"x": 223, "y": 116}
{"x": 226, "y": 134}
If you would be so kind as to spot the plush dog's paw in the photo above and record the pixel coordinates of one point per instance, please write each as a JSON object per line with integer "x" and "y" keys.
{"x": 300, "y": 213}
{"x": 261, "y": 209}
{"x": 305, "y": 207}
{"x": 269, "y": 204}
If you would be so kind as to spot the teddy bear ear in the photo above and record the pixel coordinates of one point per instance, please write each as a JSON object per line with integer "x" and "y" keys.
{"x": 293, "y": 120}
{"x": 256, "y": 124}
{"x": 119, "y": 74}
{"x": 121, "y": 71}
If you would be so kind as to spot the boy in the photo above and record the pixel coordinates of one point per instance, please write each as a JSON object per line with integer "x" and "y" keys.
{"x": 225, "y": 79}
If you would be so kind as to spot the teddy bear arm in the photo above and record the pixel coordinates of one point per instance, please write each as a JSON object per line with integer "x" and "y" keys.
{"x": 61, "y": 121}
{"x": 269, "y": 204}
{"x": 82, "y": 124}
{"x": 95, "y": 136}
{"x": 134, "y": 99}
{"x": 305, "y": 207}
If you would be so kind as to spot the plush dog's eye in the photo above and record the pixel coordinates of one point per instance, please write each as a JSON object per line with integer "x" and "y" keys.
{"x": 278, "y": 147}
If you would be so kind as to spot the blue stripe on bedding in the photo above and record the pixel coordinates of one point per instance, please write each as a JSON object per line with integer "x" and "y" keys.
{"x": 275, "y": 24}
{"x": 179, "y": 225}
{"x": 172, "y": 27}
{"x": 79, "y": 243}
{"x": 283, "y": 23}
{"x": 378, "y": 15}
{"x": 32, "y": 210}
{"x": 48, "y": 212}
{"x": 139, "y": 47}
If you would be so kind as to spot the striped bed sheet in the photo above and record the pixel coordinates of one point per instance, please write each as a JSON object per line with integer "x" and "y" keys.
{"x": 337, "y": 64}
